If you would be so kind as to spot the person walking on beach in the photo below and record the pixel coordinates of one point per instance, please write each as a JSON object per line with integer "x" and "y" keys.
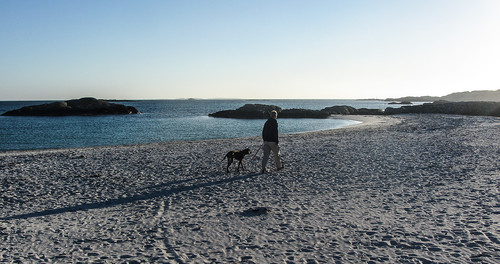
{"x": 270, "y": 137}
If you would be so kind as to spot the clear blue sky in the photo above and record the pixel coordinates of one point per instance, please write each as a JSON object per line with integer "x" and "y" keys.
{"x": 247, "y": 49}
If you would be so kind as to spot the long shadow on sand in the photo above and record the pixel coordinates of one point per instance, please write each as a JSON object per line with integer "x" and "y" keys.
{"x": 126, "y": 200}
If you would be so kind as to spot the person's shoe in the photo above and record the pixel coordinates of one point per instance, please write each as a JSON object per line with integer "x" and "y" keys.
{"x": 280, "y": 168}
{"x": 263, "y": 171}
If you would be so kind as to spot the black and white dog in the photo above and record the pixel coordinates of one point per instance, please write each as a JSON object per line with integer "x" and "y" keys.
{"x": 238, "y": 155}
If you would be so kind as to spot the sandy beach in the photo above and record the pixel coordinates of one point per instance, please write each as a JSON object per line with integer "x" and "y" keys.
{"x": 399, "y": 189}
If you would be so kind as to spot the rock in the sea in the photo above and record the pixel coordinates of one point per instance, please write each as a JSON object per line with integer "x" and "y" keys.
{"x": 260, "y": 111}
{"x": 349, "y": 110}
{"x": 248, "y": 111}
{"x": 340, "y": 110}
{"x": 303, "y": 113}
{"x": 83, "y": 106}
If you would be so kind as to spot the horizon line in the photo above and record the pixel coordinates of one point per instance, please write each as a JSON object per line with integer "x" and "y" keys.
{"x": 191, "y": 98}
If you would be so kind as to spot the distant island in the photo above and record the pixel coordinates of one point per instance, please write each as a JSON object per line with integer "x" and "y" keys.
{"x": 472, "y": 96}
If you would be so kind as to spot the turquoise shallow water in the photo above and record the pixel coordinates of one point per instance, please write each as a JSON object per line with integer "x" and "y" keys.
{"x": 159, "y": 121}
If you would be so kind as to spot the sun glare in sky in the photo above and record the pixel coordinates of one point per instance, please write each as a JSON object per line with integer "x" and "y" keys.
{"x": 247, "y": 49}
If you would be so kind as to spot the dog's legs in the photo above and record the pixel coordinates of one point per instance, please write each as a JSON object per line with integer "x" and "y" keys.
{"x": 229, "y": 162}
{"x": 242, "y": 165}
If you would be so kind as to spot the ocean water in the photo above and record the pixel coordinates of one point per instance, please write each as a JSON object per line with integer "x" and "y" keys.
{"x": 159, "y": 121}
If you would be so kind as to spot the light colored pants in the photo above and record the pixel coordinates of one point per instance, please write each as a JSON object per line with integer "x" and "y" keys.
{"x": 268, "y": 146}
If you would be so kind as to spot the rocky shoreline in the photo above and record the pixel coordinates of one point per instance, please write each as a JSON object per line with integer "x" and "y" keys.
{"x": 260, "y": 111}
{"x": 454, "y": 108}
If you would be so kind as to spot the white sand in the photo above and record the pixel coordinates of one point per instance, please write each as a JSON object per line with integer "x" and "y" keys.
{"x": 411, "y": 189}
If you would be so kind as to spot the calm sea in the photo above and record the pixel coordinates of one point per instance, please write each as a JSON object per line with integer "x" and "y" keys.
{"x": 159, "y": 121}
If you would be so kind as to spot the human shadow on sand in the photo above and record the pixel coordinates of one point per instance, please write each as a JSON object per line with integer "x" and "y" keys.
{"x": 141, "y": 197}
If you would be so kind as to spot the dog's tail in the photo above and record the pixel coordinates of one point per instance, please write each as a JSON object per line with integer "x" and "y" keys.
{"x": 225, "y": 156}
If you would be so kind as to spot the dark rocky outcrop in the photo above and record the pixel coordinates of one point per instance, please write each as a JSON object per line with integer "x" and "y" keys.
{"x": 303, "y": 113}
{"x": 340, "y": 110}
{"x": 248, "y": 111}
{"x": 349, "y": 110}
{"x": 368, "y": 111}
{"x": 260, "y": 111}
{"x": 438, "y": 107}
{"x": 84, "y": 106}
{"x": 455, "y": 108}
{"x": 257, "y": 111}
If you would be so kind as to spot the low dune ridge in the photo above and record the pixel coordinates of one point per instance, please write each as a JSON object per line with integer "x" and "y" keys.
{"x": 406, "y": 188}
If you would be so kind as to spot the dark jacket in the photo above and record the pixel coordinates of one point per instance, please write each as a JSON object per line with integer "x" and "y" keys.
{"x": 270, "y": 130}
